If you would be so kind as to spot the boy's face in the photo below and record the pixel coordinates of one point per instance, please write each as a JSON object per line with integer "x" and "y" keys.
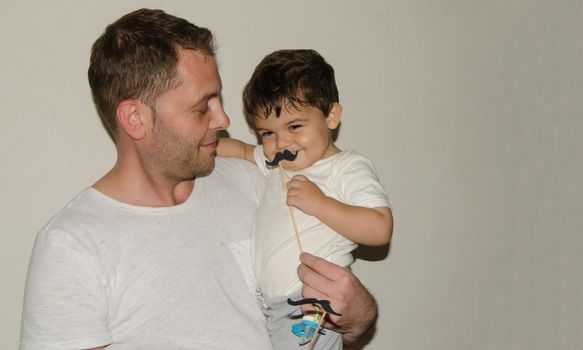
{"x": 305, "y": 131}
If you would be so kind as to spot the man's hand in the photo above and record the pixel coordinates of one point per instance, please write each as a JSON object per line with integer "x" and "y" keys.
{"x": 304, "y": 195}
{"x": 325, "y": 280}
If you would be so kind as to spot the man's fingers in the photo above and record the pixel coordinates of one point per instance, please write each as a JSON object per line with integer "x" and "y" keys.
{"x": 314, "y": 280}
{"x": 323, "y": 267}
{"x": 316, "y": 285}
{"x": 325, "y": 280}
{"x": 309, "y": 292}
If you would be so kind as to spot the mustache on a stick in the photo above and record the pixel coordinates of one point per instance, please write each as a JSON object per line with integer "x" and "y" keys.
{"x": 279, "y": 156}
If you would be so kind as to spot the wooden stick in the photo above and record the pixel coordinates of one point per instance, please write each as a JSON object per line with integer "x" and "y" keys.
{"x": 299, "y": 242}
{"x": 315, "y": 337}
{"x": 291, "y": 211}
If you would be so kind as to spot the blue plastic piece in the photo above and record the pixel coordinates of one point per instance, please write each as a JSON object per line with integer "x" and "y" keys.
{"x": 305, "y": 330}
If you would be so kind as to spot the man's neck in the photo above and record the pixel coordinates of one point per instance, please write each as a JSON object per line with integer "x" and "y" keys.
{"x": 137, "y": 188}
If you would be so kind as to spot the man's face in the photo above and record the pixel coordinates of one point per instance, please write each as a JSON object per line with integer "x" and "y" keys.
{"x": 305, "y": 131}
{"x": 187, "y": 120}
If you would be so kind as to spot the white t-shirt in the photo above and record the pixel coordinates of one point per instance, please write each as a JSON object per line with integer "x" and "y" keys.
{"x": 348, "y": 177}
{"x": 104, "y": 272}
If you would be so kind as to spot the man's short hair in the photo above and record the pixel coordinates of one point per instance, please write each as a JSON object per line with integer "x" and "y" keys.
{"x": 137, "y": 58}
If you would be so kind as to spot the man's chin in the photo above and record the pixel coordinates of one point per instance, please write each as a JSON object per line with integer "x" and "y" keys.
{"x": 207, "y": 169}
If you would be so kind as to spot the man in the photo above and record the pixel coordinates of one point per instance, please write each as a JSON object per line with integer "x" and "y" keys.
{"x": 155, "y": 254}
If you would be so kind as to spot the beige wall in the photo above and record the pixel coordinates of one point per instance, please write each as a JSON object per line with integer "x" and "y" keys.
{"x": 471, "y": 110}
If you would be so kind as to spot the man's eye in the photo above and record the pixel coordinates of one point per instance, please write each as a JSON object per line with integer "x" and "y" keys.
{"x": 294, "y": 127}
{"x": 200, "y": 112}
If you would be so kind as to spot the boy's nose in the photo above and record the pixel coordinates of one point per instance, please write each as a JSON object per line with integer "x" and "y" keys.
{"x": 282, "y": 142}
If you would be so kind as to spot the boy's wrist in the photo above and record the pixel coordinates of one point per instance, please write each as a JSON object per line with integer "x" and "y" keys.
{"x": 324, "y": 203}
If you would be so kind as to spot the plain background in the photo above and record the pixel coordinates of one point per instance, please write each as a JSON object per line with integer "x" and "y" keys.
{"x": 471, "y": 110}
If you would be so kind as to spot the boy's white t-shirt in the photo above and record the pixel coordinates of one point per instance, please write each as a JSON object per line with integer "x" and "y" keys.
{"x": 104, "y": 272}
{"x": 348, "y": 177}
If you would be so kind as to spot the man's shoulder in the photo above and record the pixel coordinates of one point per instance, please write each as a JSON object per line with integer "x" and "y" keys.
{"x": 86, "y": 209}
{"x": 72, "y": 222}
{"x": 237, "y": 175}
{"x": 223, "y": 163}
{"x": 234, "y": 167}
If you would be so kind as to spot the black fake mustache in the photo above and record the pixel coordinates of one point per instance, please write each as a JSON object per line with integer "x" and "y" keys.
{"x": 279, "y": 156}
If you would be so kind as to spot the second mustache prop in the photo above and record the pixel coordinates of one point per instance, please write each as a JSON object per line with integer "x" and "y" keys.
{"x": 279, "y": 156}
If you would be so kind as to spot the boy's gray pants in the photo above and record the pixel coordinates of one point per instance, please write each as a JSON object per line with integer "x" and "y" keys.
{"x": 281, "y": 316}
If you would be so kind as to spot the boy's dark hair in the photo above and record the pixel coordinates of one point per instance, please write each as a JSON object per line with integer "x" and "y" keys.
{"x": 137, "y": 57}
{"x": 293, "y": 78}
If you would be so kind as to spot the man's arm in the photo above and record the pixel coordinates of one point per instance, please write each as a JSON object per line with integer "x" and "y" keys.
{"x": 328, "y": 281}
{"x": 64, "y": 299}
{"x": 236, "y": 148}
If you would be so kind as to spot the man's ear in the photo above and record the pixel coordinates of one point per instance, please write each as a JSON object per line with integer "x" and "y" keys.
{"x": 333, "y": 118}
{"x": 131, "y": 118}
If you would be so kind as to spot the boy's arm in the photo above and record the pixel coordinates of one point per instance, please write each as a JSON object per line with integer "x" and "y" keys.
{"x": 235, "y": 148}
{"x": 368, "y": 226}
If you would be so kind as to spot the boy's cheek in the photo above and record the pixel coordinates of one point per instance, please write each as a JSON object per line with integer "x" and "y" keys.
{"x": 268, "y": 150}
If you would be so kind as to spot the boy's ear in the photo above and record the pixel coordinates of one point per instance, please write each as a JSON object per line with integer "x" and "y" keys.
{"x": 333, "y": 118}
{"x": 131, "y": 118}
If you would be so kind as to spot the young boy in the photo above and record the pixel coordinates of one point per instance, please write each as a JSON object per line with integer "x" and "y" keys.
{"x": 335, "y": 198}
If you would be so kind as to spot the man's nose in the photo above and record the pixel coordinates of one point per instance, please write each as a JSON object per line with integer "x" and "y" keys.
{"x": 220, "y": 120}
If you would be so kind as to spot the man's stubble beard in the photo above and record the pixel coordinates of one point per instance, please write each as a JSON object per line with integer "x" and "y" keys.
{"x": 178, "y": 159}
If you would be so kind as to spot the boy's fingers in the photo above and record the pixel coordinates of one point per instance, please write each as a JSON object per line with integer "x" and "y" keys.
{"x": 299, "y": 178}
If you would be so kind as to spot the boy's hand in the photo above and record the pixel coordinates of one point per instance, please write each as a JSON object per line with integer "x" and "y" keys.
{"x": 304, "y": 195}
